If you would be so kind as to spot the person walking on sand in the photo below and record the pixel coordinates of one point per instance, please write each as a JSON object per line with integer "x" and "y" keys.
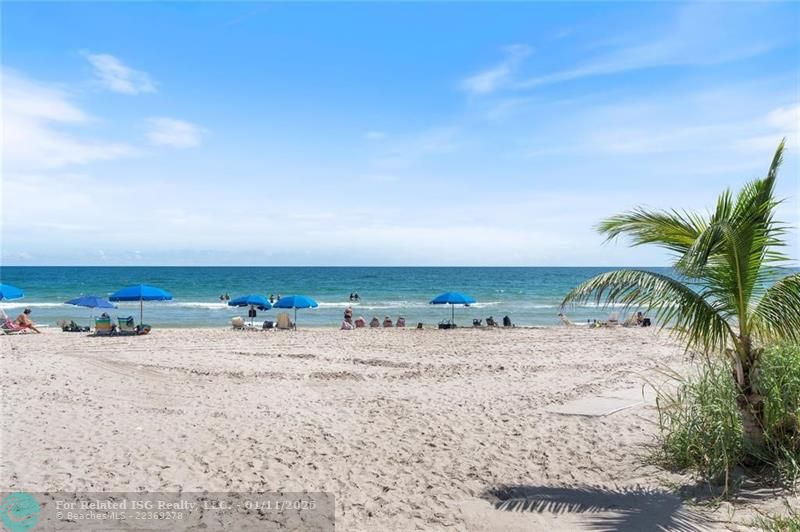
{"x": 24, "y": 321}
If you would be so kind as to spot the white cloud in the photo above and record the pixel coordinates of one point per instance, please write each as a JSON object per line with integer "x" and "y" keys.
{"x": 687, "y": 40}
{"x": 35, "y": 116}
{"x": 490, "y": 80}
{"x": 172, "y": 132}
{"x": 118, "y": 77}
{"x": 786, "y": 118}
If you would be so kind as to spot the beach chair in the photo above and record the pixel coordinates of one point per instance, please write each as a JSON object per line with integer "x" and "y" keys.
{"x": 446, "y": 324}
{"x": 476, "y": 322}
{"x": 490, "y": 322}
{"x": 127, "y": 326}
{"x": 9, "y": 327}
{"x": 566, "y": 321}
{"x": 103, "y": 327}
{"x": 71, "y": 326}
{"x": 284, "y": 322}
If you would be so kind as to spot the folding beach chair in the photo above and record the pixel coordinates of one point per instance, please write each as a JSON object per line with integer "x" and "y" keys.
{"x": 127, "y": 326}
{"x": 9, "y": 327}
{"x": 283, "y": 321}
{"x": 103, "y": 327}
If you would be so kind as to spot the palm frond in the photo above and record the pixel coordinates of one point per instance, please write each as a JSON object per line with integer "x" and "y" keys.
{"x": 673, "y": 230}
{"x": 777, "y": 315}
{"x": 694, "y": 319}
{"x": 735, "y": 253}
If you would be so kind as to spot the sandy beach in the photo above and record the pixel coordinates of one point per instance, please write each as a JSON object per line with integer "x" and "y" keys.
{"x": 410, "y": 430}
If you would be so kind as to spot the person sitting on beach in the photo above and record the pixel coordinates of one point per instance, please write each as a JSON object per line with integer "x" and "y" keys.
{"x": 348, "y": 315}
{"x": 24, "y": 322}
{"x": 506, "y": 321}
{"x": 347, "y": 326}
{"x": 490, "y": 322}
{"x": 387, "y": 322}
{"x": 374, "y": 322}
{"x": 361, "y": 322}
{"x": 401, "y": 321}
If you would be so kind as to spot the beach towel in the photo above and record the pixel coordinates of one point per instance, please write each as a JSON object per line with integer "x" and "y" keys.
{"x": 9, "y": 327}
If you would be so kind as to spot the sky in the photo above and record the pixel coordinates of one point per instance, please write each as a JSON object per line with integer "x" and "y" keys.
{"x": 382, "y": 134}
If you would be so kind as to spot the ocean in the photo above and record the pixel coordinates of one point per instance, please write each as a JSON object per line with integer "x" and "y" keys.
{"x": 529, "y": 296}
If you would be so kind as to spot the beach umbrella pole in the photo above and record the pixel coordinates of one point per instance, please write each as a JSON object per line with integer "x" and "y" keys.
{"x": 141, "y": 310}
{"x": 453, "y": 317}
{"x": 295, "y": 318}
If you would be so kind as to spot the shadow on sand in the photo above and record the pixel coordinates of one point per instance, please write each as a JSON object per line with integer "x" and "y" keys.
{"x": 624, "y": 509}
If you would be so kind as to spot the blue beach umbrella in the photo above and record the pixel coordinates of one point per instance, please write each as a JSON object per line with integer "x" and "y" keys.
{"x": 251, "y": 300}
{"x": 10, "y": 292}
{"x": 141, "y": 293}
{"x": 452, "y": 299}
{"x": 295, "y": 302}
{"x": 91, "y": 302}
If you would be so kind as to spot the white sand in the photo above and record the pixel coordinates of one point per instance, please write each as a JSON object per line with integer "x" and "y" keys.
{"x": 409, "y": 429}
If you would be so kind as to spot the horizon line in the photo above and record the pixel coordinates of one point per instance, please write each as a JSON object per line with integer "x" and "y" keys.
{"x": 325, "y": 266}
{"x": 793, "y": 264}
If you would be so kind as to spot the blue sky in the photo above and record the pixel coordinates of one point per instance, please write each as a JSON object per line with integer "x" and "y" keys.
{"x": 382, "y": 134}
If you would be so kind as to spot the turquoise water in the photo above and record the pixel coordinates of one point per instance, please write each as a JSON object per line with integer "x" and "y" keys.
{"x": 529, "y": 296}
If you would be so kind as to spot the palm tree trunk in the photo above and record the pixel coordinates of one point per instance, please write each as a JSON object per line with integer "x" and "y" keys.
{"x": 750, "y": 403}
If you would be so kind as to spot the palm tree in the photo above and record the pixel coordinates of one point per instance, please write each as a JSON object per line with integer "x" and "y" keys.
{"x": 729, "y": 296}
